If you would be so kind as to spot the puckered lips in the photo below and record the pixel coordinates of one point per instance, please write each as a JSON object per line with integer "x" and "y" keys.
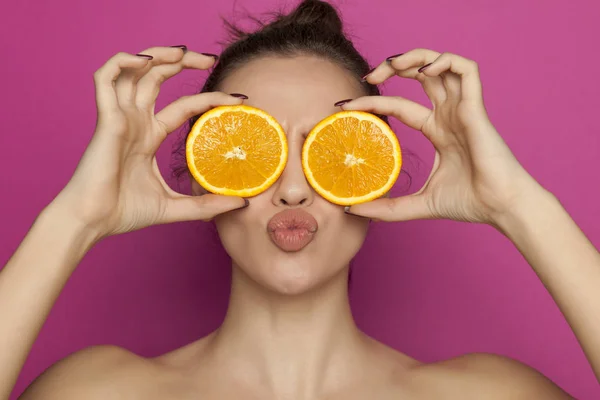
{"x": 292, "y": 230}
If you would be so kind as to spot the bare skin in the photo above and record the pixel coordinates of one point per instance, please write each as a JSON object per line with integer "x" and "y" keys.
{"x": 289, "y": 332}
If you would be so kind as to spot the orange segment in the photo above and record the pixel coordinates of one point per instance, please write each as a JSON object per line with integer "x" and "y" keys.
{"x": 351, "y": 157}
{"x": 236, "y": 150}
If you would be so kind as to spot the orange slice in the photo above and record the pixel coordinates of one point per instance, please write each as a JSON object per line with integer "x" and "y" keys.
{"x": 351, "y": 157}
{"x": 236, "y": 150}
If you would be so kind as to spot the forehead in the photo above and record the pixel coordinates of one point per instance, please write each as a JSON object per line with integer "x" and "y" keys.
{"x": 295, "y": 90}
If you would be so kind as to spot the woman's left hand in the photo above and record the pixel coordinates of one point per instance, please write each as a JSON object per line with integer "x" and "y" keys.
{"x": 475, "y": 176}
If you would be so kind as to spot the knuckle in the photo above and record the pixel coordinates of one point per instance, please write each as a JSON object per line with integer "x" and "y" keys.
{"x": 188, "y": 107}
{"x": 421, "y": 78}
{"x": 204, "y": 201}
{"x": 176, "y": 68}
{"x": 98, "y": 75}
{"x": 427, "y": 52}
{"x": 118, "y": 56}
{"x": 151, "y": 50}
{"x": 217, "y": 98}
{"x": 446, "y": 56}
{"x": 156, "y": 76}
{"x": 113, "y": 60}
{"x": 102, "y": 75}
{"x": 390, "y": 205}
{"x": 216, "y": 95}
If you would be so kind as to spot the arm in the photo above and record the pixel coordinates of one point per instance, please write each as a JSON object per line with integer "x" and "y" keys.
{"x": 565, "y": 261}
{"x": 116, "y": 188}
{"x": 476, "y": 178}
{"x": 31, "y": 282}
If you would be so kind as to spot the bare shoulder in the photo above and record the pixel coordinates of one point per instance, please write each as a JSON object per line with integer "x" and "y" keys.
{"x": 93, "y": 373}
{"x": 490, "y": 376}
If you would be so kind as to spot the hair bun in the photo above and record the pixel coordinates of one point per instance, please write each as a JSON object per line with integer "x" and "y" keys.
{"x": 314, "y": 13}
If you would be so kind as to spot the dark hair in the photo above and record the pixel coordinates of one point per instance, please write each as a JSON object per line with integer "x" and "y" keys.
{"x": 314, "y": 28}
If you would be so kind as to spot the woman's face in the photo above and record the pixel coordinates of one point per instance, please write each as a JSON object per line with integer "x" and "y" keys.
{"x": 290, "y": 239}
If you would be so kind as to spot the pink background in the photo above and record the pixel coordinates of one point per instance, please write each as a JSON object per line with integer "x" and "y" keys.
{"x": 431, "y": 289}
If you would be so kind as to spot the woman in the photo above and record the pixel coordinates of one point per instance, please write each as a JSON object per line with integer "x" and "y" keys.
{"x": 288, "y": 332}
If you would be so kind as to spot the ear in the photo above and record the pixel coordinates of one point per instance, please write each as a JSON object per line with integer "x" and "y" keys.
{"x": 197, "y": 190}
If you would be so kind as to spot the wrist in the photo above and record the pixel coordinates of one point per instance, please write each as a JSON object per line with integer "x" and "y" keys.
{"x": 60, "y": 216}
{"x": 533, "y": 202}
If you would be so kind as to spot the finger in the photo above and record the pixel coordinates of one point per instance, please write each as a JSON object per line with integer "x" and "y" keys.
{"x": 407, "y": 111}
{"x": 148, "y": 86}
{"x": 408, "y": 68}
{"x": 126, "y": 84}
{"x": 175, "y": 114}
{"x": 205, "y": 207}
{"x": 451, "y": 82}
{"x": 466, "y": 69}
{"x": 403, "y": 208}
{"x": 410, "y": 62}
{"x": 106, "y": 76}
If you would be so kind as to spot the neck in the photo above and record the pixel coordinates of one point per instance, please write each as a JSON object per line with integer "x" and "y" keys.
{"x": 296, "y": 346}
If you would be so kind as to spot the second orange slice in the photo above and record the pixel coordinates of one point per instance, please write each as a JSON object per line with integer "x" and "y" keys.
{"x": 351, "y": 157}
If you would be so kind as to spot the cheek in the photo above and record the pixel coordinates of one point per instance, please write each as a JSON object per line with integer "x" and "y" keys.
{"x": 233, "y": 232}
{"x": 344, "y": 237}
{"x": 244, "y": 236}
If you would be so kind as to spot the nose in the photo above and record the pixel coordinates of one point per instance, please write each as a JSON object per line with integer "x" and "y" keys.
{"x": 292, "y": 188}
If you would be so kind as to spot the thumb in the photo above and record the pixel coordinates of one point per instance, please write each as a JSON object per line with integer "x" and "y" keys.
{"x": 403, "y": 208}
{"x": 205, "y": 207}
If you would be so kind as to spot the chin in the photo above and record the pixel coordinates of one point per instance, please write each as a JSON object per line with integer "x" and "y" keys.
{"x": 290, "y": 273}
{"x": 296, "y": 273}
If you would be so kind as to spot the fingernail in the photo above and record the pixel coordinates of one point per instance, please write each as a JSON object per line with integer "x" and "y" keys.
{"x": 239, "y": 95}
{"x": 424, "y": 66}
{"x": 364, "y": 78}
{"x": 390, "y": 58}
{"x": 145, "y": 56}
{"x": 216, "y": 57}
{"x": 182, "y": 47}
{"x": 342, "y": 102}
{"x": 246, "y": 203}
{"x": 347, "y": 209}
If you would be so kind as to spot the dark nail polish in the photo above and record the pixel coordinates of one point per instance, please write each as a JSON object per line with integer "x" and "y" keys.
{"x": 145, "y": 56}
{"x": 216, "y": 57}
{"x": 239, "y": 95}
{"x": 246, "y": 203}
{"x": 424, "y": 66}
{"x": 342, "y": 102}
{"x": 182, "y": 47}
{"x": 390, "y": 58}
{"x": 364, "y": 78}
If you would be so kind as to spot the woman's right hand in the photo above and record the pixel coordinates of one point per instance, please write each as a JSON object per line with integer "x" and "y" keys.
{"x": 117, "y": 186}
